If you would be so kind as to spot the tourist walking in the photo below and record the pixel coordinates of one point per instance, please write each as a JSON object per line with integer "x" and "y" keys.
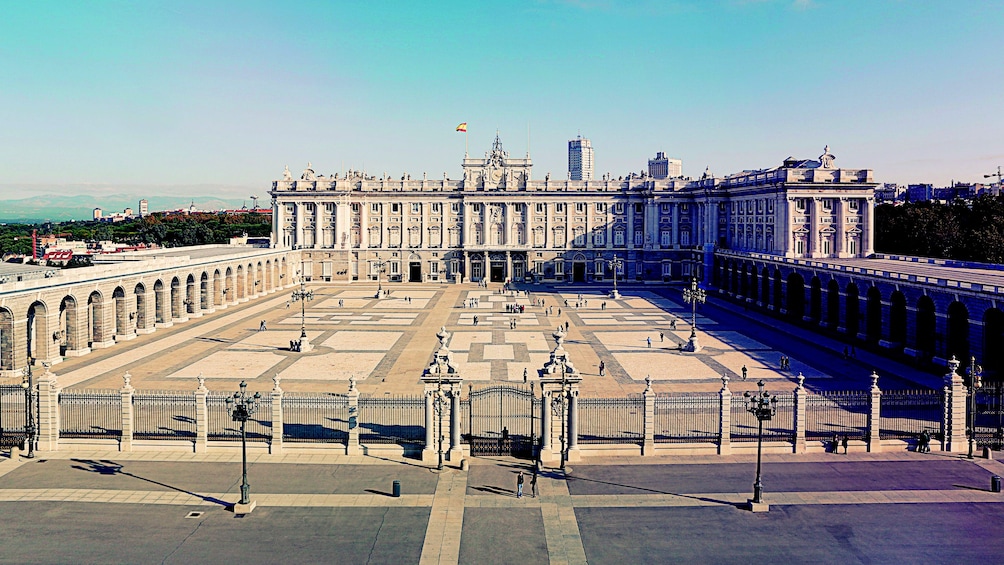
{"x": 844, "y": 442}
{"x": 662, "y": 337}
{"x": 603, "y": 369}
{"x": 649, "y": 340}
{"x": 261, "y": 326}
{"x": 533, "y": 483}
{"x": 744, "y": 372}
{"x": 519, "y": 485}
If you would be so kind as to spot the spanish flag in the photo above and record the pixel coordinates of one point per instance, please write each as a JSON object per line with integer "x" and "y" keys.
{"x": 462, "y": 127}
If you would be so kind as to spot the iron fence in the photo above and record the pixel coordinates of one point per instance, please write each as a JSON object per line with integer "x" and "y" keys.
{"x": 90, "y": 414}
{"x": 904, "y": 414}
{"x": 221, "y": 424}
{"x": 13, "y": 418}
{"x": 322, "y": 417}
{"x": 781, "y": 427}
{"x": 990, "y": 416}
{"x": 836, "y": 413}
{"x": 611, "y": 420}
{"x": 163, "y": 415}
{"x": 392, "y": 419}
{"x": 687, "y": 418}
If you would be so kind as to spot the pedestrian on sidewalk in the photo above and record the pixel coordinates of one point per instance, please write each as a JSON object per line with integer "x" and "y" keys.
{"x": 533, "y": 483}
{"x": 519, "y": 485}
{"x": 843, "y": 442}
{"x": 649, "y": 340}
{"x": 744, "y": 372}
{"x": 603, "y": 369}
{"x": 261, "y": 326}
{"x": 662, "y": 337}
{"x": 834, "y": 444}
{"x": 524, "y": 375}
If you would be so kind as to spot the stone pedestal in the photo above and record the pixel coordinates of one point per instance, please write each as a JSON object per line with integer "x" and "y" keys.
{"x": 757, "y": 506}
{"x": 245, "y": 508}
{"x": 692, "y": 345}
{"x": 614, "y": 294}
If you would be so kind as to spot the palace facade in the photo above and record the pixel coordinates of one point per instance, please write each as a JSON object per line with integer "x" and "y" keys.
{"x": 499, "y": 223}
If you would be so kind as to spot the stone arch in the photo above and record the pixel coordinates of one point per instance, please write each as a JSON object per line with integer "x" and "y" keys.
{"x": 38, "y": 334}
{"x": 754, "y": 283}
{"x": 240, "y": 282}
{"x": 958, "y": 332}
{"x": 897, "y": 318}
{"x": 141, "y": 319}
{"x": 67, "y": 330}
{"x": 96, "y": 328}
{"x": 815, "y": 300}
{"x": 833, "y": 304}
{"x": 268, "y": 284}
{"x": 744, "y": 285}
{"x": 853, "y": 310}
{"x": 796, "y": 297}
{"x": 993, "y": 343}
{"x": 218, "y": 288}
{"x": 873, "y": 313}
{"x": 7, "y": 340}
{"x": 122, "y": 311}
{"x": 926, "y": 326}
{"x": 259, "y": 281}
{"x": 161, "y": 308}
{"x": 205, "y": 292}
{"x": 191, "y": 295}
{"x": 176, "y": 298}
{"x": 228, "y": 286}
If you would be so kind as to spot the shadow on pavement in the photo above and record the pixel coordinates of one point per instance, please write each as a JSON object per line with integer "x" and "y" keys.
{"x": 570, "y": 478}
{"x": 105, "y": 467}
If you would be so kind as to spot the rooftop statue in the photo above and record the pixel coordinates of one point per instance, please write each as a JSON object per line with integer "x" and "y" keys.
{"x": 286, "y": 175}
{"x": 826, "y": 159}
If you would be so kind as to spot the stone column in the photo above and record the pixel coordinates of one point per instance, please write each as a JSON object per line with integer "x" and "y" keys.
{"x": 788, "y": 228}
{"x": 201, "y": 416}
{"x": 841, "y": 243}
{"x": 456, "y": 452}
{"x": 48, "y": 412}
{"x": 648, "y": 445}
{"x": 800, "y": 415}
{"x": 318, "y": 229}
{"x": 725, "y": 418}
{"x": 275, "y": 446}
{"x": 813, "y": 238}
{"x": 429, "y": 452}
{"x": 874, "y": 416}
{"x": 298, "y": 227}
{"x": 629, "y": 236}
{"x": 352, "y": 446}
{"x": 868, "y": 234}
{"x": 955, "y": 421}
{"x": 277, "y": 219}
{"x": 127, "y": 413}
{"x": 676, "y": 226}
{"x": 651, "y": 222}
{"x": 546, "y": 427}
{"x": 574, "y": 454}
{"x": 508, "y": 264}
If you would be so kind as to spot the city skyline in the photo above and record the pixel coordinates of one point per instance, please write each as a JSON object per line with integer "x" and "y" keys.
{"x": 223, "y": 96}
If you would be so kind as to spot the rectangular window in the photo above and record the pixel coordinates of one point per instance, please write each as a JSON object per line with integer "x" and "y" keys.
{"x": 290, "y": 210}
{"x": 618, "y": 208}
{"x": 667, "y": 269}
{"x": 477, "y": 207}
{"x": 559, "y": 207}
{"x": 685, "y": 238}
{"x": 638, "y": 239}
{"x": 827, "y": 204}
{"x": 436, "y": 207}
{"x": 601, "y": 207}
{"x": 375, "y": 208}
{"x": 395, "y": 208}
{"x": 598, "y": 239}
{"x": 395, "y": 267}
{"x": 455, "y": 207}
{"x": 664, "y": 207}
{"x": 619, "y": 238}
{"x": 539, "y": 207}
{"x": 770, "y": 206}
{"x": 580, "y": 207}
{"x": 434, "y": 267}
{"x": 559, "y": 268}
{"x": 800, "y": 204}
{"x": 684, "y": 208}
{"x": 416, "y": 208}
{"x": 638, "y": 208}
{"x": 355, "y": 207}
{"x": 852, "y": 204}
{"x": 665, "y": 238}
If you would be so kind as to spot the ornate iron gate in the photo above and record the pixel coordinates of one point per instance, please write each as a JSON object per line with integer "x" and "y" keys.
{"x": 502, "y": 419}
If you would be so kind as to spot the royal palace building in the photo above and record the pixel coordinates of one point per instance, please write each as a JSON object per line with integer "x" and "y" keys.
{"x": 499, "y": 223}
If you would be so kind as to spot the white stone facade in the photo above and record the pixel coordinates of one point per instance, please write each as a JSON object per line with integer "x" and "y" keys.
{"x": 499, "y": 223}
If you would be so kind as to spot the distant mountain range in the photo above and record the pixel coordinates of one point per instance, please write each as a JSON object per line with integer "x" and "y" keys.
{"x": 61, "y": 208}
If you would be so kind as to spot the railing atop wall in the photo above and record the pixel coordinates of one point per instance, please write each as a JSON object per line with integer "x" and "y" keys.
{"x": 91, "y": 414}
{"x": 611, "y": 420}
{"x": 392, "y": 419}
{"x": 837, "y": 413}
{"x": 315, "y": 417}
{"x": 687, "y": 418}
{"x": 163, "y": 415}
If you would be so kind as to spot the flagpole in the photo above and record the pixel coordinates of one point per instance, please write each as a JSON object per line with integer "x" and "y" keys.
{"x": 465, "y": 143}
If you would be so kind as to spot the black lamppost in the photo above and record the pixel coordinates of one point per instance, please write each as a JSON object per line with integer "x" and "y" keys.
{"x": 763, "y": 406}
{"x": 302, "y": 296}
{"x": 615, "y": 266}
{"x": 379, "y": 264}
{"x": 241, "y": 407}
{"x": 973, "y": 383}
{"x": 694, "y": 295}
{"x": 28, "y": 385}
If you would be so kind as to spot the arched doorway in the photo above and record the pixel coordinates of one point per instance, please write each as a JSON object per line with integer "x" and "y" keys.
{"x": 579, "y": 268}
{"x": 95, "y": 322}
{"x": 958, "y": 332}
{"x": 38, "y": 332}
{"x": 7, "y": 340}
{"x": 796, "y": 297}
{"x": 121, "y": 311}
{"x": 140, "y": 315}
{"x": 993, "y": 344}
{"x": 176, "y": 298}
{"x": 414, "y": 268}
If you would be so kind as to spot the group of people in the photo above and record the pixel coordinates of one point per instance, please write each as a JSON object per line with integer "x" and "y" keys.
{"x": 520, "y": 479}
{"x": 785, "y": 363}
{"x": 295, "y": 345}
{"x": 515, "y": 308}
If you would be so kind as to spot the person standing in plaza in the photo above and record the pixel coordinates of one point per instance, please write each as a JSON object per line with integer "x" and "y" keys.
{"x": 603, "y": 369}
{"x": 533, "y": 483}
{"x": 519, "y": 485}
{"x": 261, "y": 326}
{"x": 744, "y": 372}
{"x": 844, "y": 442}
{"x": 649, "y": 340}
{"x": 662, "y": 337}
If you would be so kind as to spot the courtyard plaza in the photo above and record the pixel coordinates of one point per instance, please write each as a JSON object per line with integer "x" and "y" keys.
{"x": 161, "y": 507}
{"x": 385, "y": 344}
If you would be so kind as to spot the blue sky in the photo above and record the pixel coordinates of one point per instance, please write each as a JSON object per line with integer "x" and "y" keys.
{"x": 216, "y": 97}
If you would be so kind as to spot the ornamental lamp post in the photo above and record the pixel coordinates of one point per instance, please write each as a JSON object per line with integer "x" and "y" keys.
{"x": 28, "y": 385}
{"x": 615, "y": 265}
{"x": 379, "y": 264}
{"x": 693, "y": 295}
{"x": 973, "y": 383}
{"x": 240, "y": 407}
{"x": 302, "y": 296}
{"x": 763, "y": 406}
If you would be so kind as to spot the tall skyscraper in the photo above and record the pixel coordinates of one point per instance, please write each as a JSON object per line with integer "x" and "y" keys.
{"x": 144, "y": 208}
{"x": 664, "y": 167}
{"x": 580, "y": 159}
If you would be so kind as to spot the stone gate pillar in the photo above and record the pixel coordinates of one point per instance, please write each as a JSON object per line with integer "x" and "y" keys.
{"x": 648, "y": 443}
{"x": 874, "y": 415}
{"x": 725, "y": 418}
{"x": 443, "y": 386}
{"x": 352, "y": 446}
{"x": 48, "y": 412}
{"x": 955, "y": 402}
{"x": 127, "y": 390}
{"x": 201, "y": 416}
{"x": 800, "y": 419}
{"x": 275, "y": 446}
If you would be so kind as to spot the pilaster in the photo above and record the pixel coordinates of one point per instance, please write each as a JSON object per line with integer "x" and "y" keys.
{"x": 725, "y": 418}
{"x": 874, "y": 416}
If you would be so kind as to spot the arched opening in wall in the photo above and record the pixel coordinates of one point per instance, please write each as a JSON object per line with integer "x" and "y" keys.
{"x": 38, "y": 332}
{"x": 815, "y": 300}
{"x": 778, "y": 291}
{"x": 734, "y": 288}
{"x": 873, "y": 323}
{"x": 6, "y": 339}
{"x": 159, "y": 304}
{"x": 240, "y": 282}
{"x": 796, "y": 297}
{"x": 140, "y": 312}
{"x": 853, "y": 314}
{"x": 268, "y": 276}
{"x": 958, "y": 332}
{"x": 176, "y": 298}
{"x": 765, "y": 290}
{"x": 926, "y": 327}
{"x": 95, "y": 322}
{"x": 993, "y": 344}
{"x": 284, "y": 272}
{"x": 716, "y": 275}
{"x": 191, "y": 295}
{"x": 228, "y": 286}
{"x": 217, "y": 287}
{"x": 121, "y": 310}
{"x": 897, "y": 319}
{"x": 65, "y": 329}
{"x": 204, "y": 296}
{"x": 259, "y": 280}
{"x": 754, "y": 283}
{"x": 745, "y": 283}
{"x": 832, "y": 304}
